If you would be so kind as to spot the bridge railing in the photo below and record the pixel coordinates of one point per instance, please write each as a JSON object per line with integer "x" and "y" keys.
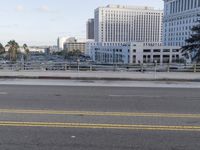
{"x": 87, "y": 66}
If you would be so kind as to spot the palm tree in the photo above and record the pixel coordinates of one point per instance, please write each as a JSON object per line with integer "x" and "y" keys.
{"x": 13, "y": 49}
{"x": 26, "y": 51}
{"x": 2, "y": 49}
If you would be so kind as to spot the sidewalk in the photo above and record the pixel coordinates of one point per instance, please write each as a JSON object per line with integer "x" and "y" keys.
{"x": 99, "y": 75}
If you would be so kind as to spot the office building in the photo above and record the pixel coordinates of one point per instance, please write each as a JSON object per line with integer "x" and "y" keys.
{"x": 72, "y": 44}
{"x": 90, "y": 29}
{"x": 116, "y": 23}
{"x": 60, "y": 42}
{"x": 132, "y": 53}
{"x": 179, "y": 17}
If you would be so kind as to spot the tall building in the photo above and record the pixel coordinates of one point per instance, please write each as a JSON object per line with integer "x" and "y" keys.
{"x": 90, "y": 29}
{"x": 116, "y": 23}
{"x": 179, "y": 17}
{"x": 60, "y": 42}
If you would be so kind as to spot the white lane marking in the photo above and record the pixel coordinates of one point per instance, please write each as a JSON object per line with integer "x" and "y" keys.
{"x": 3, "y": 93}
{"x": 73, "y": 137}
{"x": 144, "y": 96}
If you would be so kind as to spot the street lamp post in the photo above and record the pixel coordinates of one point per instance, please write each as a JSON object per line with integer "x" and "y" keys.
{"x": 114, "y": 60}
{"x": 155, "y": 71}
{"x": 78, "y": 67}
{"x": 90, "y": 65}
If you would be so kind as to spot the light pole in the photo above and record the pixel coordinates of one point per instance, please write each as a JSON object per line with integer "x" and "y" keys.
{"x": 78, "y": 67}
{"x": 155, "y": 71}
{"x": 90, "y": 65}
{"x": 22, "y": 62}
{"x": 113, "y": 59}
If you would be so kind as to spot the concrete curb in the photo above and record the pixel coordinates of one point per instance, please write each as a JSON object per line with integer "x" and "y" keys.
{"x": 98, "y": 78}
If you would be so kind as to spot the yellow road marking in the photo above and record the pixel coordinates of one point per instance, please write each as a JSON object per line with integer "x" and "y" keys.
{"x": 100, "y": 126}
{"x": 91, "y": 113}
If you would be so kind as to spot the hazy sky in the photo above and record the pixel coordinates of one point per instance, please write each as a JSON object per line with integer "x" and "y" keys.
{"x": 40, "y": 22}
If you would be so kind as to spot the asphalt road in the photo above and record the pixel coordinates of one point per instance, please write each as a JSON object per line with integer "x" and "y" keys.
{"x": 116, "y": 99}
{"x": 99, "y": 118}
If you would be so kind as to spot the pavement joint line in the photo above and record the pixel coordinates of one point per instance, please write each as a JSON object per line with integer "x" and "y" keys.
{"x": 93, "y": 113}
{"x": 100, "y": 126}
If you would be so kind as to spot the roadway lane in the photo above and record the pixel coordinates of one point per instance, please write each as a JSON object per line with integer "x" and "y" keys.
{"x": 110, "y": 99}
{"x": 31, "y": 138}
{"x": 99, "y": 118}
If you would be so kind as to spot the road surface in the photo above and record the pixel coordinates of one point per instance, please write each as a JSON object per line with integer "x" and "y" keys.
{"x": 47, "y": 117}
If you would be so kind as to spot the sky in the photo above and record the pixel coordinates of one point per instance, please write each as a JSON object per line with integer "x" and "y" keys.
{"x": 41, "y": 22}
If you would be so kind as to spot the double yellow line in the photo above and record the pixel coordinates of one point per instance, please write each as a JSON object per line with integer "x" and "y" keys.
{"x": 91, "y": 113}
{"x": 100, "y": 126}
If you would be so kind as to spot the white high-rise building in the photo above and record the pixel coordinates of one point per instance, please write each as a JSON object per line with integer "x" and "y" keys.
{"x": 116, "y": 23}
{"x": 179, "y": 17}
{"x": 60, "y": 42}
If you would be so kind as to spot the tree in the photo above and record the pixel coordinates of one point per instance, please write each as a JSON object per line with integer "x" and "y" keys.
{"x": 13, "y": 49}
{"x": 77, "y": 53}
{"x": 2, "y": 49}
{"x": 192, "y": 49}
{"x": 26, "y": 51}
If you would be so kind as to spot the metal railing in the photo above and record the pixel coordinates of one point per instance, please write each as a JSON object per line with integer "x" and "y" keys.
{"x": 87, "y": 66}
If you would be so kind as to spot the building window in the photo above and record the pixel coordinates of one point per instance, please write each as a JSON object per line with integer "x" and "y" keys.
{"x": 147, "y": 51}
{"x": 156, "y": 50}
{"x": 156, "y": 58}
{"x": 134, "y": 59}
{"x": 175, "y": 50}
{"x": 166, "y": 58}
{"x": 166, "y": 50}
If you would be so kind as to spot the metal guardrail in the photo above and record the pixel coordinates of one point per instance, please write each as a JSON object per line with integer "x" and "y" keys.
{"x": 87, "y": 66}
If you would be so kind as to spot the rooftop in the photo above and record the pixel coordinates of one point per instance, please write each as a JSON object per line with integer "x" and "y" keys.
{"x": 130, "y": 7}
